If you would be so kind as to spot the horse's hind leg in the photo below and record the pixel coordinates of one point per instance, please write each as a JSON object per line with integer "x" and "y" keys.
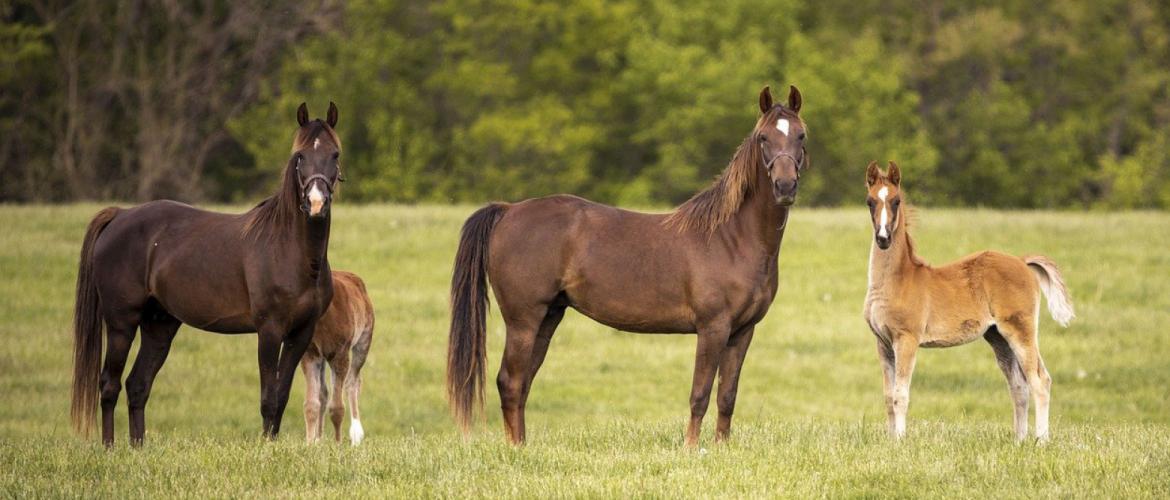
{"x": 1017, "y": 383}
{"x": 514, "y": 371}
{"x": 729, "y": 368}
{"x": 544, "y": 335}
{"x": 353, "y": 386}
{"x": 1021, "y": 335}
{"x": 313, "y": 366}
{"x": 340, "y": 366}
{"x": 158, "y": 330}
{"x": 119, "y": 336}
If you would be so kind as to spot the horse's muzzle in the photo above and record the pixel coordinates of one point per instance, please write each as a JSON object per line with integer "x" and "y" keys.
{"x": 883, "y": 242}
{"x": 785, "y": 192}
{"x": 316, "y": 199}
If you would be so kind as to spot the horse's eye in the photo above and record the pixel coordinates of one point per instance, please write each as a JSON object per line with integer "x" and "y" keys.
{"x": 801, "y": 137}
{"x": 336, "y": 156}
{"x": 763, "y": 138}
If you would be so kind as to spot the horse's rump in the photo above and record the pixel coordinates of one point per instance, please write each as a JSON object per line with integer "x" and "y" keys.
{"x": 349, "y": 317}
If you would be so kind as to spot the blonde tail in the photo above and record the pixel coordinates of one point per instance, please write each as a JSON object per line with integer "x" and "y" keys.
{"x": 1052, "y": 284}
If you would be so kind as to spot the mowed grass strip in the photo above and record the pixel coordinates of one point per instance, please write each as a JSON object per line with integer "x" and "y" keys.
{"x": 607, "y": 411}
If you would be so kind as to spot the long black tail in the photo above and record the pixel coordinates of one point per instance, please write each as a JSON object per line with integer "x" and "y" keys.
{"x": 87, "y": 331}
{"x": 467, "y": 343}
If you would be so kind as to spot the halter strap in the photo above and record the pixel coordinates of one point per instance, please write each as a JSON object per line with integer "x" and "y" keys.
{"x": 768, "y": 164}
{"x": 305, "y": 182}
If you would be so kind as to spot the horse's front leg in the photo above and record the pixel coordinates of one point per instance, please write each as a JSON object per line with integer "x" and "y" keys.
{"x": 885, "y": 353}
{"x": 710, "y": 346}
{"x": 268, "y": 356}
{"x": 730, "y": 365}
{"x": 295, "y": 345}
{"x": 905, "y": 352}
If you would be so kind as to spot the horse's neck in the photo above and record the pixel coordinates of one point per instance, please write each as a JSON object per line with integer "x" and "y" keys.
{"x": 760, "y": 218}
{"x": 887, "y": 266}
{"x": 314, "y": 235}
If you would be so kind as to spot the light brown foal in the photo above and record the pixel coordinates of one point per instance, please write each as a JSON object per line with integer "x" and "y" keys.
{"x": 342, "y": 338}
{"x": 910, "y": 304}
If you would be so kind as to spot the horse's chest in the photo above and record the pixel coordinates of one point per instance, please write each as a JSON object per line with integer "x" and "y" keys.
{"x": 876, "y": 314}
{"x": 293, "y": 305}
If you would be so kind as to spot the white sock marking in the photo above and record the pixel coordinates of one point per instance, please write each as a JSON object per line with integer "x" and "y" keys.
{"x": 782, "y": 126}
{"x": 356, "y": 433}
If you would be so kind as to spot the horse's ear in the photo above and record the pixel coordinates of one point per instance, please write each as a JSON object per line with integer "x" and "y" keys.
{"x": 793, "y": 98}
{"x": 765, "y": 99}
{"x": 871, "y": 174}
{"x": 894, "y": 174}
{"x": 303, "y": 114}
{"x": 331, "y": 117}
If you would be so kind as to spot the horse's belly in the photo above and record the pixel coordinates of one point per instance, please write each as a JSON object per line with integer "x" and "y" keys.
{"x": 212, "y": 320}
{"x": 629, "y": 317}
{"x": 210, "y": 306}
{"x": 953, "y": 333}
{"x": 642, "y": 325}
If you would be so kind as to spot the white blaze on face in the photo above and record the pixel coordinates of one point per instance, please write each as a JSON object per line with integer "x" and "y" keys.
{"x": 884, "y": 222}
{"x": 782, "y": 126}
{"x": 316, "y": 200}
{"x": 316, "y": 142}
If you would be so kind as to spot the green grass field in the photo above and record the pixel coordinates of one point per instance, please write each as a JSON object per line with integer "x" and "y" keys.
{"x": 607, "y": 412}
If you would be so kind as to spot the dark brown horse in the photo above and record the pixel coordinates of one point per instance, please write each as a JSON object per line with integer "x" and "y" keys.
{"x": 161, "y": 264}
{"x": 708, "y": 268}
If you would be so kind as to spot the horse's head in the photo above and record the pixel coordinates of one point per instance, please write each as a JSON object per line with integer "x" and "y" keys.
{"x": 884, "y": 198}
{"x": 780, "y": 133}
{"x": 316, "y": 156}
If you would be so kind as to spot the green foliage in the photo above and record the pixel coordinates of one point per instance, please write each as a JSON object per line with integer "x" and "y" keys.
{"x": 999, "y": 103}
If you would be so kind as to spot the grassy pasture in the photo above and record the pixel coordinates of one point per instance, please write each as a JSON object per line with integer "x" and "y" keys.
{"x": 608, "y": 409}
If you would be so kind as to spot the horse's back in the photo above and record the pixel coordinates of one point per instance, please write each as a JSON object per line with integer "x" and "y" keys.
{"x": 622, "y": 268}
{"x": 989, "y": 271}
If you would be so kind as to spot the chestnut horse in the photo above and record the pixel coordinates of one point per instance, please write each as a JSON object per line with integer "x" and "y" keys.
{"x": 346, "y": 327}
{"x": 162, "y": 264}
{"x": 709, "y": 267}
{"x": 989, "y": 294}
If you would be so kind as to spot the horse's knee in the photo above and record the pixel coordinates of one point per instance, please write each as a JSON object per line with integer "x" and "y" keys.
{"x": 699, "y": 404}
{"x": 312, "y": 405}
{"x": 726, "y": 404}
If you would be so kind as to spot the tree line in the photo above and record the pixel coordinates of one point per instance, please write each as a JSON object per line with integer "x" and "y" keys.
{"x": 998, "y": 103}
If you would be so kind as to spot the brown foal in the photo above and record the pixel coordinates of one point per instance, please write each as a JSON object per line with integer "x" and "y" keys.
{"x": 341, "y": 339}
{"x": 991, "y": 295}
{"x": 708, "y": 268}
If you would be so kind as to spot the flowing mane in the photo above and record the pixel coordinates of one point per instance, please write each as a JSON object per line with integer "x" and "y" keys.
{"x": 282, "y": 208}
{"x": 909, "y": 219}
{"x": 711, "y": 207}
